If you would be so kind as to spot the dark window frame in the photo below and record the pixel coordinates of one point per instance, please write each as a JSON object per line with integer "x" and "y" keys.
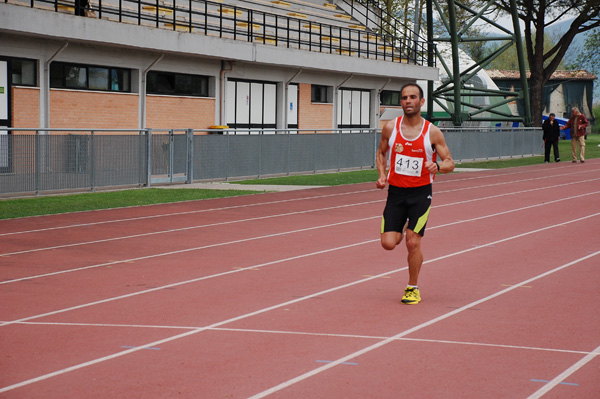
{"x": 388, "y": 97}
{"x": 319, "y": 94}
{"x": 12, "y": 61}
{"x": 172, "y": 79}
{"x": 59, "y": 70}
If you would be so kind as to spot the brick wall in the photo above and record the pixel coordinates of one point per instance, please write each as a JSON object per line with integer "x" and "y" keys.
{"x": 312, "y": 116}
{"x": 100, "y": 110}
{"x": 25, "y": 104}
{"x": 167, "y": 112}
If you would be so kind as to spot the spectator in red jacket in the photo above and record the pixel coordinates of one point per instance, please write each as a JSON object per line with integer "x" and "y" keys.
{"x": 577, "y": 122}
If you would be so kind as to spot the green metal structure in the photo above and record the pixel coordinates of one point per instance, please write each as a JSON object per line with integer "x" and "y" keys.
{"x": 455, "y": 95}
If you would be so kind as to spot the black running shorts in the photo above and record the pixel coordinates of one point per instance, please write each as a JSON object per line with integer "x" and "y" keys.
{"x": 411, "y": 203}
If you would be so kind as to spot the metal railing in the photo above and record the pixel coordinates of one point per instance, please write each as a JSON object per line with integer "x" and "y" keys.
{"x": 391, "y": 28}
{"x": 227, "y": 21}
{"x": 34, "y": 161}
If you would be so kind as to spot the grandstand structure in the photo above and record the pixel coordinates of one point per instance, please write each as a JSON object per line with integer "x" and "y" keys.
{"x": 201, "y": 64}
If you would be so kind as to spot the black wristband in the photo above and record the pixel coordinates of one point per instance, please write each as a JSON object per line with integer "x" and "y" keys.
{"x": 438, "y": 166}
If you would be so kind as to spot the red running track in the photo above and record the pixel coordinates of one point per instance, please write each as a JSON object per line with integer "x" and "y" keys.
{"x": 289, "y": 295}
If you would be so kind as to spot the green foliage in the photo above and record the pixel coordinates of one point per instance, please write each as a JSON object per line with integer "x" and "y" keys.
{"x": 509, "y": 60}
{"x": 588, "y": 58}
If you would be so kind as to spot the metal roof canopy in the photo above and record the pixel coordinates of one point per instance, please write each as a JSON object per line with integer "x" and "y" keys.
{"x": 453, "y": 90}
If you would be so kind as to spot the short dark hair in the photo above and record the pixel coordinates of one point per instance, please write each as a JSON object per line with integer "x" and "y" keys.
{"x": 415, "y": 85}
{"x": 551, "y": 114}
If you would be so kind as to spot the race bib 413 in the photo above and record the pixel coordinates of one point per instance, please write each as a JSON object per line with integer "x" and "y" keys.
{"x": 408, "y": 166}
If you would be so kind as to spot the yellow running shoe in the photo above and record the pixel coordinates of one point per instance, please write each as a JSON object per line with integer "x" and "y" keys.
{"x": 412, "y": 296}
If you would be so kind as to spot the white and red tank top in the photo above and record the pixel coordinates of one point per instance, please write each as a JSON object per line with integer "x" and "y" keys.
{"x": 407, "y": 159}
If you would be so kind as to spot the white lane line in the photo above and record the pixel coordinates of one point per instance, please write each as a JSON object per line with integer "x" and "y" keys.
{"x": 516, "y": 192}
{"x": 257, "y": 204}
{"x": 275, "y": 262}
{"x": 289, "y": 232}
{"x": 220, "y": 223}
{"x": 272, "y": 216}
{"x": 224, "y": 208}
{"x": 327, "y": 291}
{"x": 220, "y": 244}
{"x": 304, "y": 333}
{"x": 377, "y": 345}
{"x": 565, "y": 374}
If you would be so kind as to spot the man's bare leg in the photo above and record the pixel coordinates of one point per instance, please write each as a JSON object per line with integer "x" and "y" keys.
{"x": 415, "y": 256}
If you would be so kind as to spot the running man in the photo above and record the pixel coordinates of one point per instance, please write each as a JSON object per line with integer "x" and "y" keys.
{"x": 418, "y": 152}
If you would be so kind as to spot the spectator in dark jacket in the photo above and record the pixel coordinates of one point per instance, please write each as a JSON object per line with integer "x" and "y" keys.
{"x": 551, "y": 137}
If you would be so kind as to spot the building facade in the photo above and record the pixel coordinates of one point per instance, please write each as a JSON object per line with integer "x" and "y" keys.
{"x": 129, "y": 65}
{"x": 564, "y": 90}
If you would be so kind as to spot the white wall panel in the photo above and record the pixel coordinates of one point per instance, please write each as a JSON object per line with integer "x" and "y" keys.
{"x": 365, "y": 108}
{"x": 356, "y": 108}
{"x": 270, "y": 103}
{"x": 256, "y": 103}
{"x": 242, "y": 102}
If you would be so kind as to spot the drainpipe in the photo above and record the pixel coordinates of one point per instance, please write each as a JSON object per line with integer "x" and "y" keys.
{"x": 286, "y": 99}
{"x": 142, "y": 101}
{"x": 378, "y": 101}
{"x": 224, "y": 70}
{"x": 335, "y": 102}
{"x": 45, "y": 103}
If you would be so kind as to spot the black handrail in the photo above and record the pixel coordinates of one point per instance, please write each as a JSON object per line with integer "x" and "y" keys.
{"x": 246, "y": 24}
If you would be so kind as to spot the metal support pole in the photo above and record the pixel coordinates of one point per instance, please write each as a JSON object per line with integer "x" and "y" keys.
{"x": 190, "y": 156}
{"x": 454, "y": 39}
{"x": 92, "y": 164}
{"x": 171, "y": 155}
{"x": 141, "y": 156}
{"x": 149, "y": 158}
{"x": 37, "y": 162}
{"x": 430, "y": 58}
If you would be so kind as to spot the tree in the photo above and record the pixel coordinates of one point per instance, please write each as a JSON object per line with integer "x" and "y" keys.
{"x": 537, "y": 15}
{"x": 588, "y": 58}
{"x": 509, "y": 58}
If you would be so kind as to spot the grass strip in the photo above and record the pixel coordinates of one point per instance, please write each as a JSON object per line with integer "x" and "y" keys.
{"x": 48, "y": 205}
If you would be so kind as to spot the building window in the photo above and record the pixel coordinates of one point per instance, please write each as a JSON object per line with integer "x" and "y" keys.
{"x": 251, "y": 104}
{"x": 354, "y": 108}
{"x": 320, "y": 94}
{"x": 389, "y": 97}
{"x": 177, "y": 84}
{"x": 86, "y": 77}
{"x": 23, "y": 72}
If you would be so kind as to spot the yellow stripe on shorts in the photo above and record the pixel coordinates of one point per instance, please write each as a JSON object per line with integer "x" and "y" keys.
{"x": 382, "y": 224}
{"x": 422, "y": 220}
